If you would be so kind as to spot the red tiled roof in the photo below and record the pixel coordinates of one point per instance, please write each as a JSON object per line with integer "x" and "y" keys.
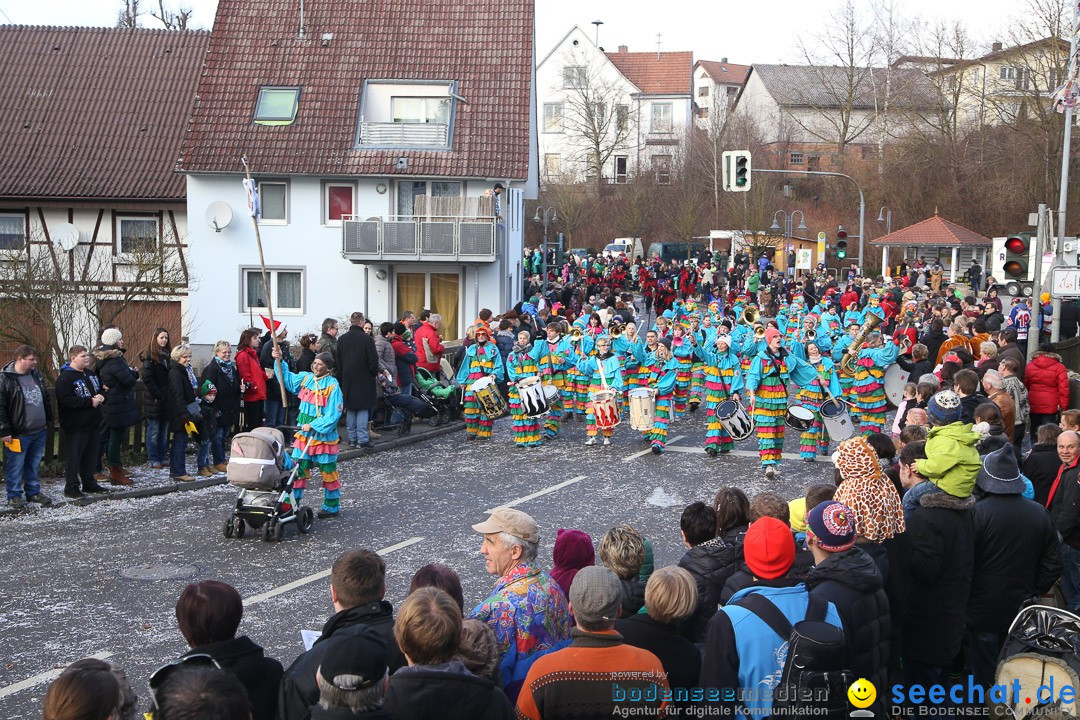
{"x": 95, "y": 112}
{"x": 933, "y": 231}
{"x": 671, "y": 74}
{"x": 726, "y": 73}
{"x": 485, "y": 46}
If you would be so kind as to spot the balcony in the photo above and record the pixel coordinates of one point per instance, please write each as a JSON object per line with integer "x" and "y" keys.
{"x": 419, "y": 239}
{"x": 404, "y": 135}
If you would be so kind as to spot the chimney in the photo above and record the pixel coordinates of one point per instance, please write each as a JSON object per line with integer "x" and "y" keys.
{"x": 623, "y": 48}
{"x": 996, "y": 47}
{"x": 723, "y": 60}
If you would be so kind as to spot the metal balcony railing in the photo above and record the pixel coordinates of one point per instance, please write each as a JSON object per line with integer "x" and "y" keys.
{"x": 393, "y": 134}
{"x": 424, "y": 239}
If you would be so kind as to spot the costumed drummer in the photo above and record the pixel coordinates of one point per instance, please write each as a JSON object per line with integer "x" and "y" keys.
{"x": 316, "y": 444}
{"x": 600, "y": 372}
{"x": 658, "y": 371}
{"x": 524, "y": 361}
{"x": 481, "y": 360}
{"x": 723, "y": 381}
{"x": 556, "y": 360}
{"x": 682, "y": 347}
{"x": 825, "y": 384}
{"x": 871, "y": 362}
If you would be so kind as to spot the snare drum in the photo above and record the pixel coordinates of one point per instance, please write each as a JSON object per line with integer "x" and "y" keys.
{"x": 733, "y": 416}
{"x": 487, "y": 395}
{"x": 534, "y": 402}
{"x": 836, "y": 418}
{"x": 605, "y": 409}
{"x": 799, "y": 417}
{"x": 642, "y": 408}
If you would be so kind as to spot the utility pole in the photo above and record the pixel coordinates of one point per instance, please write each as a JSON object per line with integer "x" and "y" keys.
{"x": 1063, "y": 193}
{"x": 1036, "y": 287}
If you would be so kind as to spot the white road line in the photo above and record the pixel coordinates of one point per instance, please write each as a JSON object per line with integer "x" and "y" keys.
{"x": 636, "y": 455}
{"x": 40, "y": 678}
{"x": 320, "y": 575}
{"x": 739, "y": 453}
{"x": 538, "y": 493}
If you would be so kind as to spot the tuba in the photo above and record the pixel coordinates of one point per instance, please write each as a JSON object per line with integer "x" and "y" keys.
{"x": 750, "y": 316}
{"x": 616, "y": 329}
{"x": 847, "y": 363}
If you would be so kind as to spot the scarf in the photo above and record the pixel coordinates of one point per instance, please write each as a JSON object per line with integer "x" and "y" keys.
{"x": 191, "y": 378}
{"x": 228, "y": 367}
{"x": 523, "y": 349}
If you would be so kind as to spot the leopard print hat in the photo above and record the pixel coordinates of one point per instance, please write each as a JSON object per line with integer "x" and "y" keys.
{"x": 867, "y": 491}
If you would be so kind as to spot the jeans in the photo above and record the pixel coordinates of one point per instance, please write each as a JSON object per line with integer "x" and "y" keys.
{"x": 983, "y": 648}
{"x": 177, "y": 463}
{"x": 204, "y": 454}
{"x": 1070, "y": 576}
{"x": 356, "y": 421}
{"x": 217, "y": 446}
{"x": 274, "y": 412}
{"x": 79, "y": 456}
{"x": 157, "y": 441}
{"x": 21, "y": 468}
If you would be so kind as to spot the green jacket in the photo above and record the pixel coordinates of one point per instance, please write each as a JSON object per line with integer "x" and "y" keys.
{"x": 753, "y": 283}
{"x": 952, "y": 462}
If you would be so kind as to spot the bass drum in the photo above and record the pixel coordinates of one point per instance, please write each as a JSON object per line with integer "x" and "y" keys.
{"x": 800, "y": 417}
{"x": 895, "y": 379}
{"x": 733, "y": 416}
{"x": 487, "y": 395}
{"x": 642, "y": 408}
{"x": 836, "y": 418}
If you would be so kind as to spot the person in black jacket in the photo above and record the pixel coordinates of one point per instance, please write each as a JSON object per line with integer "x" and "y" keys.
{"x": 933, "y": 338}
{"x": 358, "y": 369}
{"x": 352, "y": 677}
{"x": 1063, "y": 502}
{"x": 436, "y": 683}
{"x": 182, "y": 408}
{"x": 709, "y": 560}
{"x": 848, "y": 578}
{"x": 155, "y": 378}
{"x": 78, "y": 400}
{"x": 1016, "y": 559}
{"x": 357, "y": 587}
{"x": 1042, "y": 463}
{"x": 118, "y": 380}
{"x": 209, "y": 614}
{"x": 222, "y": 372}
{"x": 916, "y": 364}
{"x": 25, "y": 415}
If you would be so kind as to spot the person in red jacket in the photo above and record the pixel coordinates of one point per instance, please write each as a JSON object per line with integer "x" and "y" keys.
{"x": 252, "y": 378}
{"x": 1048, "y": 388}
{"x": 429, "y": 347}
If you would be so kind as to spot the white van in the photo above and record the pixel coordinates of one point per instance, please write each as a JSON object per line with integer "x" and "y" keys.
{"x": 630, "y": 246}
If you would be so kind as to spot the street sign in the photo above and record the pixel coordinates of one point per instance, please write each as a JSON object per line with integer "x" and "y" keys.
{"x": 804, "y": 259}
{"x": 821, "y": 236}
{"x": 1065, "y": 282}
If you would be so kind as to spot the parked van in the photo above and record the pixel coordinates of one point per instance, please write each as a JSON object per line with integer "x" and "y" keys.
{"x": 668, "y": 251}
{"x": 630, "y": 246}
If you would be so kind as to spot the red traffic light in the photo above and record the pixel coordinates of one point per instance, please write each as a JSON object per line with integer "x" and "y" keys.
{"x": 1014, "y": 269}
{"x": 841, "y": 233}
{"x": 1016, "y": 245}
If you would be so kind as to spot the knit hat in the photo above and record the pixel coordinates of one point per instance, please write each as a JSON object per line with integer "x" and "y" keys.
{"x": 999, "y": 473}
{"x": 326, "y": 359}
{"x": 769, "y": 548}
{"x": 833, "y": 526}
{"x": 596, "y": 594}
{"x": 111, "y": 336}
{"x": 573, "y": 551}
{"x": 771, "y": 333}
{"x": 867, "y": 492}
{"x": 207, "y": 388}
{"x": 944, "y": 408}
{"x": 354, "y": 661}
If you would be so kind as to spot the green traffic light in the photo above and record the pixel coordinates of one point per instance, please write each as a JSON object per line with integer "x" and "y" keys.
{"x": 740, "y": 172}
{"x": 841, "y": 254}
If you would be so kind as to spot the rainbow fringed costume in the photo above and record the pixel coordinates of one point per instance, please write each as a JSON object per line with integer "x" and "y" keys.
{"x": 815, "y": 441}
{"x": 591, "y": 368}
{"x": 321, "y": 405}
{"x": 521, "y": 365}
{"x": 555, "y": 363}
{"x": 869, "y": 387}
{"x": 723, "y": 378}
{"x": 479, "y": 360}
{"x": 767, "y": 379}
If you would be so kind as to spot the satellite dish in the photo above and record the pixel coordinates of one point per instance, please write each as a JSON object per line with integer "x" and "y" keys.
{"x": 65, "y": 237}
{"x": 218, "y": 215}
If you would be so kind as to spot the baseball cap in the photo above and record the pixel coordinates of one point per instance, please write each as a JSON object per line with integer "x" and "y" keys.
{"x": 356, "y": 660}
{"x": 769, "y": 548}
{"x": 596, "y": 594}
{"x": 507, "y": 520}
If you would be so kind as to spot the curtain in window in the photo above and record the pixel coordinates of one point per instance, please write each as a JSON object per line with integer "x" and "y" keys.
{"x": 445, "y": 189}
{"x": 339, "y": 201}
{"x": 289, "y": 287}
{"x": 411, "y": 292}
{"x": 445, "y": 291}
{"x": 272, "y": 201}
{"x": 255, "y": 296}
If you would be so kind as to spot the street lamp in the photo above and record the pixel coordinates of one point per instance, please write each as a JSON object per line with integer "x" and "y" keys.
{"x": 789, "y": 221}
{"x": 546, "y": 216}
{"x": 885, "y": 216}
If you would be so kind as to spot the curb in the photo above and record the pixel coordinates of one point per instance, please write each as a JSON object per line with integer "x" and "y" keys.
{"x": 156, "y": 490}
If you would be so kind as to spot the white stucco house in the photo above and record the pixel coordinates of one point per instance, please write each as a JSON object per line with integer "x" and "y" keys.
{"x": 624, "y": 112}
{"x": 716, "y": 85}
{"x": 374, "y": 132}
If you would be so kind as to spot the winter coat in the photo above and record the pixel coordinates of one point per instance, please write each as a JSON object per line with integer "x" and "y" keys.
{"x": 12, "y": 403}
{"x": 358, "y": 366}
{"x": 940, "y": 557}
{"x": 227, "y": 403}
{"x": 1016, "y": 558}
{"x": 1041, "y": 467}
{"x": 1064, "y": 506}
{"x": 74, "y": 400}
{"x": 890, "y": 556}
{"x": 851, "y": 581}
{"x": 479, "y": 650}
{"x": 933, "y": 340}
{"x": 303, "y": 363}
{"x": 155, "y": 378}
{"x": 385, "y": 350}
{"x": 1047, "y": 382}
{"x": 680, "y": 657}
{"x": 952, "y": 461}
{"x": 266, "y": 362}
{"x": 181, "y": 394}
{"x": 711, "y": 564}
{"x": 1019, "y": 394}
{"x": 633, "y": 596}
{"x": 742, "y": 578}
{"x": 298, "y": 691}
{"x": 445, "y": 692}
{"x": 113, "y": 370}
{"x": 1005, "y": 403}
{"x": 405, "y": 360}
{"x": 429, "y": 334}
{"x": 247, "y": 362}
{"x": 916, "y": 368}
{"x": 259, "y": 674}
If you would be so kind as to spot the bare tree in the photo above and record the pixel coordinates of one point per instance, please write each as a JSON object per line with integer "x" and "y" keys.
{"x": 634, "y": 210}
{"x": 572, "y": 202}
{"x": 128, "y": 14}
{"x": 172, "y": 20}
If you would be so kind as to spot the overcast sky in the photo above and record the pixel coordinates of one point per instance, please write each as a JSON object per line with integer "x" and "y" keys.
{"x": 747, "y": 33}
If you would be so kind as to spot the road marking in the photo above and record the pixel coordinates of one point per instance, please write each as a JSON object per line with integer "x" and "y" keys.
{"x": 47, "y": 676}
{"x": 320, "y": 575}
{"x": 636, "y": 455}
{"x": 538, "y": 493}
{"x": 738, "y": 453}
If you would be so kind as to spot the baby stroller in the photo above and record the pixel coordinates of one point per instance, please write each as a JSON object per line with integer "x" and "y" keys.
{"x": 405, "y": 407}
{"x": 440, "y": 392}
{"x": 264, "y": 472}
{"x": 1042, "y": 648}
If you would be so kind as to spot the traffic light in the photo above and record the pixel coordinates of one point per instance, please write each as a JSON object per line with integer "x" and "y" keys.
{"x": 735, "y": 166}
{"x": 841, "y": 242}
{"x": 560, "y": 250}
{"x": 1017, "y": 254}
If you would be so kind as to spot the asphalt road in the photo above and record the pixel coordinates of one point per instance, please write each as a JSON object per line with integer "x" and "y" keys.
{"x": 103, "y": 579}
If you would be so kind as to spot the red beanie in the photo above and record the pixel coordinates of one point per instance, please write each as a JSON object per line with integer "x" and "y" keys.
{"x": 770, "y": 333}
{"x": 769, "y": 548}
{"x": 573, "y": 551}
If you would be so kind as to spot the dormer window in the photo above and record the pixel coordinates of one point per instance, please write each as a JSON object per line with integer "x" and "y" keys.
{"x": 277, "y": 105}
{"x": 407, "y": 114}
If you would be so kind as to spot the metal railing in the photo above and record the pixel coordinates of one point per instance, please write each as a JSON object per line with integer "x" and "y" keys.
{"x": 404, "y": 134}
{"x": 419, "y": 238}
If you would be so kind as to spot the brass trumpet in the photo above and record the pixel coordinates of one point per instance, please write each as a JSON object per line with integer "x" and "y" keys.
{"x": 847, "y": 363}
{"x": 750, "y": 316}
{"x": 616, "y": 330}
{"x": 810, "y": 336}
{"x": 759, "y": 332}
{"x": 576, "y": 334}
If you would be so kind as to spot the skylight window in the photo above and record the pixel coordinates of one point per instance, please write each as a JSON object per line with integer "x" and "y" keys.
{"x": 277, "y": 105}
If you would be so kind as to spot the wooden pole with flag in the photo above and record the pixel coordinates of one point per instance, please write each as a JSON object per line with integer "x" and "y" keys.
{"x": 252, "y": 192}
